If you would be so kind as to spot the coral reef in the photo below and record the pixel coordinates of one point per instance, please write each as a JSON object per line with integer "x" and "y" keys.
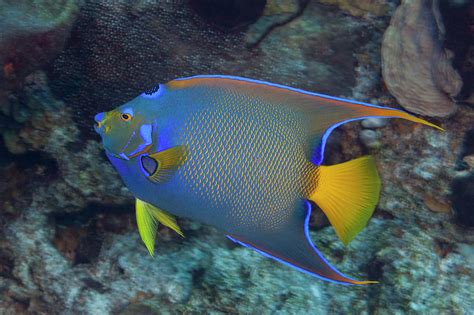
{"x": 32, "y": 33}
{"x": 362, "y": 8}
{"x": 158, "y": 42}
{"x": 276, "y": 13}
{"x": 458, "y": 19}
{"x": 370, "y": 138}
{"x": 229, "y": 14}
{"x": 79, "y": 173}
{"x": 416, "y": 67}
{"x": 68, "y": 241}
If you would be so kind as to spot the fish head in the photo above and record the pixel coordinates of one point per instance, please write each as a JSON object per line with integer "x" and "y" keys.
{"x": 126, "y": 131}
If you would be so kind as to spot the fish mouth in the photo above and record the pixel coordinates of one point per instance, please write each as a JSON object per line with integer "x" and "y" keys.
{"x": 99, "y": 125}
{"x": 101, "y": 129}
{"x": 97, "y": 128}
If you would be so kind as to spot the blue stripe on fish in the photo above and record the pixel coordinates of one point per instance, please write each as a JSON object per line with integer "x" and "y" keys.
{"x": 128, "y": 142}
{"x": 318, "y": 156}
{"x": 145, "y": 134}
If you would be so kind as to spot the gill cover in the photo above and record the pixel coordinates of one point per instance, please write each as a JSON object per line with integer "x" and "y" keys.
{"x": 125, "y": 132}
{"x": 160, "y": 166}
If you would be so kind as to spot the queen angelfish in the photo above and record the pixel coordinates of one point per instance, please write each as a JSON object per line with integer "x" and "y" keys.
{"x": 244, "y": 156}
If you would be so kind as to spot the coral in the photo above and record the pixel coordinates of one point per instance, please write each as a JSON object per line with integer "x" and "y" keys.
{"x": 206, "y": 273}
{"x": 416, "y": 68}
{"x": 68, "y": 240}
{"x": 314, "y": 44}
{"x": 49, "y": 128}
{"x": 276, "y": 13}
{"x": 373, "y": 123}
{"x": 370, "y": 138}
{"x": 278, "y": 7}
{"x": 458, "y": 18}
{"x": 31, "y": 43}
{"x": 361, "y": 7}
{"x": 463, "y": 199}
{"x": 462, "y": 186}
{"x": 159, "y": 42}
{"x": 229, "y": 14}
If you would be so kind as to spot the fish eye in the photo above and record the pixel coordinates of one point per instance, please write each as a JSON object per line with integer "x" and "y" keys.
{"x": 126, "y": 117}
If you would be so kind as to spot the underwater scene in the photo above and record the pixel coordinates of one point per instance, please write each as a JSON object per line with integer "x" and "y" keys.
{"x": 237, "y": 157}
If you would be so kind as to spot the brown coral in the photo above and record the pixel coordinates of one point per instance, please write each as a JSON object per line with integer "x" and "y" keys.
{"x": 31, "y": 34}
{"x": 361, "y": 8}
{"x": 416, "y": 67}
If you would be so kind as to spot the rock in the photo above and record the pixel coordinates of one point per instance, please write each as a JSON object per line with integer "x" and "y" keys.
{"x": 416, "y": 68}
{"x": 463, "y": 198}
{"x": 229, "y": 14}
{"x": 458, "y": 18}
{"x": 49, "y": 127}
{"x": 13, "y": 142}
{"x": 373, "y": 123}
{"x": 276, "y": 13}
{"x": 32, "y": 34}
{"x": 220, "y": 276}
{"x": 370, "y": 138}
{"x": 166, "y": 41}
{"x": 436, "y": 205}
{"x": 69, "y": 240}
{"x": 361, "y": 7}
{"x": 469, "y": 160}
{"x": 467, "y": 251}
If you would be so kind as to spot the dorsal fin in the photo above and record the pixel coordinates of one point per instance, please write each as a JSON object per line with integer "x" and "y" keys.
{"x": 324, "y": 113}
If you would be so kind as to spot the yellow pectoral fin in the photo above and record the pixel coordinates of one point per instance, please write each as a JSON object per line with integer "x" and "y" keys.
{"x": 146, "y": 225}
{"x": 167, "y": 162}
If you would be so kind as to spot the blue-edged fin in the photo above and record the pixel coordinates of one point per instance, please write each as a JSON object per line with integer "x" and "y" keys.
{"x": 148, "y": 217}
{"x": 160, "y": 167}
{"x": 348, "y": 193}
{"x": 292, "y": 245}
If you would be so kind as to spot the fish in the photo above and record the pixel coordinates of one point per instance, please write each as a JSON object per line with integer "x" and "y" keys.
{"x": 245, "y": 156}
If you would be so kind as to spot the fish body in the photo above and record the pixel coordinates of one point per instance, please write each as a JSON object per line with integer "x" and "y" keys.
{"x": 241, "y": 154}
{"x": 245, "y": 156}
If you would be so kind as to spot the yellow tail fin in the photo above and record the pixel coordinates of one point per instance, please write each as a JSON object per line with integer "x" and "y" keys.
{"x": 348, "y": 193}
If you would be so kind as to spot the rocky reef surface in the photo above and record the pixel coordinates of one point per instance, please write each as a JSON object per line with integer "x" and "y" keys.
{"x": 68, "y": 241}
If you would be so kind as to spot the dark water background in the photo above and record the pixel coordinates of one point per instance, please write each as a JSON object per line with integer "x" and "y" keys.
{"x": 69, "y": 243}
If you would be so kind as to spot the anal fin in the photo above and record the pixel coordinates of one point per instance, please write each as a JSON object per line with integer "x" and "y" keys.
{"x": 292, "y": 246}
